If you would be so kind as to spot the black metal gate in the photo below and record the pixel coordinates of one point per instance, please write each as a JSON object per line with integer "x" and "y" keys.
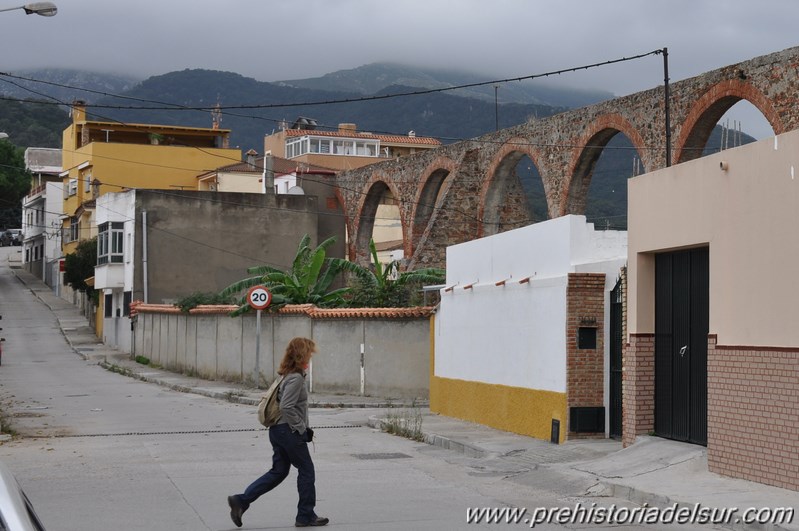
{"x": 616, "y": 340}
{"x": 681, "y": 328}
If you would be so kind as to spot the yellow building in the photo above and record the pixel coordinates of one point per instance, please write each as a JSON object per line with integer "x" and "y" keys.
{"x": 101, "y": 157}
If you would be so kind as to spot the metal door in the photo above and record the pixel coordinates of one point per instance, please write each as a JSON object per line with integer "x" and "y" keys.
{"x": 616, "y": 340}
{"x": 681, "y": 328}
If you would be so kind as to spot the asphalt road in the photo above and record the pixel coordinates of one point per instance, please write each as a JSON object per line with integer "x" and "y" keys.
{"x": 98, "y": 451}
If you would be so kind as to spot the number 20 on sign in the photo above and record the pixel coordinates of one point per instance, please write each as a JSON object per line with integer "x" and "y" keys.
{"x": 259, "y": 297}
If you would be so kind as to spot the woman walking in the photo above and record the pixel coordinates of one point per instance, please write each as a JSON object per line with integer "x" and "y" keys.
{"x": 289, "y": 438}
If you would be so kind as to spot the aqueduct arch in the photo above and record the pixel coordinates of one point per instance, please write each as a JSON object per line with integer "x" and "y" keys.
{"x": 711, "y": 106}
{"x": 586, "y": 154}
{"x": 451, "y": 194}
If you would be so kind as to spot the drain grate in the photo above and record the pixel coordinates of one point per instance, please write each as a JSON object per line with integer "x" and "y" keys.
{"x": 390, "y": 455}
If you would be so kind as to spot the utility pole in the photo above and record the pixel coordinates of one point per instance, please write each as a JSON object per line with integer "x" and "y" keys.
{"x": 496, "y": 107}
{"x": 666, "y": 107}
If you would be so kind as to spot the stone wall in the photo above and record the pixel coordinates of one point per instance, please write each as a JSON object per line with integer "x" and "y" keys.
{"x": 469, "y": 189}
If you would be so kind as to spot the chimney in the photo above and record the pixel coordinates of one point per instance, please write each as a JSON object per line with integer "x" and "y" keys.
{"x": 78, "y": 111}
{"x": 412, "y": 134}
{"x": 251, "y": 155}
{"x": 346, "y": 128}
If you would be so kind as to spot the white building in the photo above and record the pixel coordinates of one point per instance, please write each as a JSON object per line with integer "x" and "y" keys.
{"x": 521, "y": 336}
{"x": 41, "y": 214}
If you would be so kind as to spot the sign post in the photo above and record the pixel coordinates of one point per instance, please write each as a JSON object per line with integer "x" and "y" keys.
{"x": 259, "y": 298}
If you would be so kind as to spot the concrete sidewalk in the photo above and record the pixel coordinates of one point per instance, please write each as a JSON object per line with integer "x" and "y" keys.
{"x": 656, "y": 472}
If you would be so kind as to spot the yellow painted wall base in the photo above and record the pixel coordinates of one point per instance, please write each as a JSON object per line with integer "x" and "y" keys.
{"x": 99, "y": 313}
{"x": 515, "y": 409}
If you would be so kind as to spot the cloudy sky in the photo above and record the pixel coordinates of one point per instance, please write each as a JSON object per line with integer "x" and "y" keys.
{"x": 272, "y": 40}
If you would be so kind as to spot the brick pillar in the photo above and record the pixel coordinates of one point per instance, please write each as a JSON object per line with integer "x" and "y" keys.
{"x": 585, "y": 367}
{"x": 638, "y": 387}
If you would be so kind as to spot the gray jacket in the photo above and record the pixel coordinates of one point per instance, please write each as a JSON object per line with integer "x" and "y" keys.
{"x": 293, "y": 397}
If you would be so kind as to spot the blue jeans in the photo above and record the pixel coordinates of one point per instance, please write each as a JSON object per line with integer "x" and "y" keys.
{"x": 288, "y": 449}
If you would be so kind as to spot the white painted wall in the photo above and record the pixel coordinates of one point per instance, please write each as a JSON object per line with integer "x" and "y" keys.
{"x": 515, "y": 334}
{"x": 53, "y": 204}
{"x": 116, "y": 279}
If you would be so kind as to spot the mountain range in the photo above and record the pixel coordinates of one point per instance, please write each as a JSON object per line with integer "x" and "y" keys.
{"x": 450, "y": 115}
{"x": 252, "y": 109}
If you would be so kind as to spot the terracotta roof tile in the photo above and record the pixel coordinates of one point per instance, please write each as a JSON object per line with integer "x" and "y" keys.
{"x": 372, "y": 313}
{"x": 310, "y": 310}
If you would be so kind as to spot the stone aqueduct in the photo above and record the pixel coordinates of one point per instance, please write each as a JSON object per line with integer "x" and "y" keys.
{"x": 469, "y": 189}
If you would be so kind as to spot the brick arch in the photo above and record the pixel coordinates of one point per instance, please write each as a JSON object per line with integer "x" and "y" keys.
{"x": 504, "y": 160}
{"x": 434, "y": 183}
{"x": 586, "y": 153}
{"x": 706, "y": 111}
{"x": 363, "y": 220}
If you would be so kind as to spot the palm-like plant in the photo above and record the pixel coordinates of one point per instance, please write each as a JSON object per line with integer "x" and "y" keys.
{"x": 307, "y": 282}
{"x": 386, "y": 286}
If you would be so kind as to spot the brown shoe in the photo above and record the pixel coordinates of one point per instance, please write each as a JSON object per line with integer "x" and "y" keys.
{"x": 316, "y": 522}
{"x": 236, "y": 509}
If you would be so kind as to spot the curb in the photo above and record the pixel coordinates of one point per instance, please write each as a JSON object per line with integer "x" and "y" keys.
{"x": 434, "y": 439}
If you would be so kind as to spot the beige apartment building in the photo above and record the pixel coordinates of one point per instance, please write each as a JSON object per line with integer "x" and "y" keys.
{"x": 713, "y": 348}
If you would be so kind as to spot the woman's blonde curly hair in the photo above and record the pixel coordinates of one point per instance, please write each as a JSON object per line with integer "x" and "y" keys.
{"x": 298, "y": 354}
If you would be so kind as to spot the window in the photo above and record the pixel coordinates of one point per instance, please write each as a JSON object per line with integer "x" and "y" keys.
{"x": 86, "y": 177}
{"x": 108, "y": 311}
{"x": 73, "y": 187}
{"x": 110, "y": 243}
{"x": 296, "y": 147}
{"x": 342, "y": 147}
{"x": 127, "y": 297}
{"x": 74, "y": 229}
{"x": 367, "y": 149}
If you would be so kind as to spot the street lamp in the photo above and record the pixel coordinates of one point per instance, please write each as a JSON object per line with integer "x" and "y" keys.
{"x": 45, "y": 9}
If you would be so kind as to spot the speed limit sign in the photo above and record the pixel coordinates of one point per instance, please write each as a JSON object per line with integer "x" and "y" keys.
{"x": 259, "y": 297}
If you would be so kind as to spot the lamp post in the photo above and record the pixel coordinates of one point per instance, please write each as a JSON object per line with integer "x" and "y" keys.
{"x": 45, "y": 9}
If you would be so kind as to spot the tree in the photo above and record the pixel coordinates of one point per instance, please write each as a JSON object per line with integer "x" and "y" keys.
{"x": 386, "y": 286}
{"x": 15, "y": 184}
{"x": 307, "y": 282}
{"x": 79, "y": 266}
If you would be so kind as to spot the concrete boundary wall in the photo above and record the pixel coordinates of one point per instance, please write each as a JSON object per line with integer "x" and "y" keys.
{"x": 372, "y": 352}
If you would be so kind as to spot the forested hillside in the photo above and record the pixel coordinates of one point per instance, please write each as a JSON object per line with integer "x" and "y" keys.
{"x": 261, "y": 108}
{"x": 32, "y": 124}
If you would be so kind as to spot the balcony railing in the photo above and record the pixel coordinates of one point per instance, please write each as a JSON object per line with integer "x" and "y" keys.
{"x": 36, "y": 191}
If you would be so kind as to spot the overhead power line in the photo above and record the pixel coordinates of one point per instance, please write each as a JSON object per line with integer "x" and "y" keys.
{"x": 172, "y": 106}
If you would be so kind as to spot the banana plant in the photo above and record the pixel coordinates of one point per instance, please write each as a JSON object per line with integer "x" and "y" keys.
{"x": 308, "y": 281}
{"x": 385, "y": 285}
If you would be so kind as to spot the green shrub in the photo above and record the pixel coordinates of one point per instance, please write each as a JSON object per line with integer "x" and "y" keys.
{"x": 197, "y": 298}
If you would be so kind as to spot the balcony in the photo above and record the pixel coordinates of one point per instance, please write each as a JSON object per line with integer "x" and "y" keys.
{"x": 34, "y": 194}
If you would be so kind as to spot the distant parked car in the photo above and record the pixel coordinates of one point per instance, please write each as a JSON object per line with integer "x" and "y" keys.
{"x": 16, "y": 236}
{"x": 16, "y": 511}
{"x": 11, "y": 237}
